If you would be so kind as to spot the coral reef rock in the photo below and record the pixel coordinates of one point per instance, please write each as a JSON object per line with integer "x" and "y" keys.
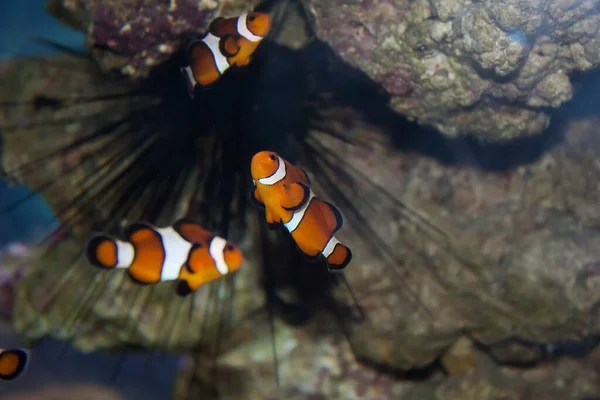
{"x": 512, "y": 260}
{"x": 316, "y": 363}
{"x": 134, "y": 36}
{"x": 490, "y": 68}
{"x": 81, "y": 391}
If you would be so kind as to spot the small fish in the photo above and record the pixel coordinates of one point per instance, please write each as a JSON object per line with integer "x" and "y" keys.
{"x": 12, "y": 363}
{"x": 229, "y": 41}
{"x": 284, "y": 191}
{"x": 185, "y": 252}
{"x": 251, "y": 28}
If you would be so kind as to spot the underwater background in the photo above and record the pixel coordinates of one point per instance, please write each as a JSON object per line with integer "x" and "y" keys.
{"x": 458, "y": 139}
{"x": 61, "y": 373}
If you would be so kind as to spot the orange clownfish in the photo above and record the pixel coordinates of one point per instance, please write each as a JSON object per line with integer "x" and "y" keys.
{"x": 12, "y": 363}
{"x": 185, "y": 252}
{"x": 284, "y": 191}
{"x": 229, "y": 41}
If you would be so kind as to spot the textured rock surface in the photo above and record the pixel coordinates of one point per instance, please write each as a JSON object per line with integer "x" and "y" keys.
{"x": 67, "y": 392}
{"x": 518, "y": 265}
{"x": 490, "y": 68}
{"x": 519, "y": 259}
{"x": 141, "y": 34}
{"x": 316, "y": 363}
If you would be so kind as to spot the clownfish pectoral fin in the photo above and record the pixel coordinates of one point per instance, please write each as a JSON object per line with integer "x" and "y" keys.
{"x": 339, "y": 258}
{"x": 256, "y": 200}
{"x": 296, "y": 195}
{"x": 183, "y": 289}
{"x": 229, "y": 45}
{"x": 217, "y": 26}
{"x": 271, "y": 221}
{"x": 102, "y": 251}
{"x": 12, "y": 363}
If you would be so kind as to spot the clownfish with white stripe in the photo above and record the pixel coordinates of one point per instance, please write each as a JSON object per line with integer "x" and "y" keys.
{"x": 185, "y": 252}
{"x": 12, "y": 363}
{"x": 229, "y": 41}
{"x": 284, "y": 191}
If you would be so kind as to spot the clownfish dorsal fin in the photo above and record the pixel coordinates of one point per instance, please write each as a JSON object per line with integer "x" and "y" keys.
{"x": 229, "y": 46}
{"x": 191, "y": 231}
{"x": 137, "y": 226}
{"x": 303, "y": 172}
{"x": 217, "y": 26}
{"x": 338, "y": 219}
{"x": 295, "y": 196}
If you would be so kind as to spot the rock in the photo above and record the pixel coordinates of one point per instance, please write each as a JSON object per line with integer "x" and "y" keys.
{"x": 137, "y": 35}
{"x": 68, "y": 392}
{"x": 488, "y": 68}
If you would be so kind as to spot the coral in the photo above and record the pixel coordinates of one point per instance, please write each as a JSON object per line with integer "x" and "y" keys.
{"x": 490, "y": 68}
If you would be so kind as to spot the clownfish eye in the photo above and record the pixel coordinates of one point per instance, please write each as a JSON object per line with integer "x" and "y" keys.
{"x": 273, "y": 158}
{"x": 229, "y": 248}
{"x": 251, "y": 17}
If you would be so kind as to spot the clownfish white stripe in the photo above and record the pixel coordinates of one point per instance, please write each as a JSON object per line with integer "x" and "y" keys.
{"x": 190, "y": 75}
{"x": 217, "y": 245}
{"x": 330, "y": 246}
{"x": 213, "y": 44}
{"x": 277, "y": 175}
{"x": 125, "y": 253}
{"x": 297, "y": 217}
{"x": 176, "y": 251}
{"x": 243, "y": 30}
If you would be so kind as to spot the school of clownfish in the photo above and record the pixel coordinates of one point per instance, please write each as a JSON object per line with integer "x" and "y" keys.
{"x": 185, "y": 251}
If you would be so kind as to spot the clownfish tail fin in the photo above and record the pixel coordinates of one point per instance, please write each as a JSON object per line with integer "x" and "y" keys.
{"x": 12, "y": 363}
{"x": 339, "y": 257}
{"x": 102, "y": 251}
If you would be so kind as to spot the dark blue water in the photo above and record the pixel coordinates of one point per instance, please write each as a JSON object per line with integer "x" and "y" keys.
{"x": 24, "y": 20}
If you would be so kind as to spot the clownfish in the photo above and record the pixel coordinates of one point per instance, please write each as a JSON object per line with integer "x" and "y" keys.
{"x": 229, "y": 41}
{"x": 12, "y": 363}
{"x": 284, "y": 191}
{"x": 185, "y": 252}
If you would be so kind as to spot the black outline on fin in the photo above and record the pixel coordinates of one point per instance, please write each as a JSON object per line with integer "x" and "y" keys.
{"x": 23, "y": 362}
{"x": 341, "y": 267}
{"x": 255, "y": 201}
{"x": 92, "y": 245}
{"x": 183, "y": 289}
{"x": 304, "y": 199}
{"x": 337, "y": 214}
{"x": 222, "y": 48}
{"x": 307, "y": 177}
